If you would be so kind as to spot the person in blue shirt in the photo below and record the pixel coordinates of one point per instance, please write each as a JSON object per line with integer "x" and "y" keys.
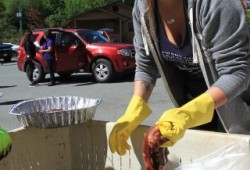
{"x": 49, "y": 55}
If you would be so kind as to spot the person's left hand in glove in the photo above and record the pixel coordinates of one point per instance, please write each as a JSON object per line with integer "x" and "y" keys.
{"x": 174, "y": 122}
{"x": 5, "y": 143}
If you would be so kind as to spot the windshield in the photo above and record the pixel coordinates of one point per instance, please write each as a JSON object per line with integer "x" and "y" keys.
{"x": 91, "y": 36}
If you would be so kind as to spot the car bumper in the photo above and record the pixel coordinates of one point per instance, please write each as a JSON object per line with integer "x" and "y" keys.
{"x": 125, "y": 64}
{"x": 5, "y": 55}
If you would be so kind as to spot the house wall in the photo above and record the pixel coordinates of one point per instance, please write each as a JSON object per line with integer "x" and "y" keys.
{"x": 117, "y": 17}
{"x": 98, "y": 24}
{"x": 128, "y": 32}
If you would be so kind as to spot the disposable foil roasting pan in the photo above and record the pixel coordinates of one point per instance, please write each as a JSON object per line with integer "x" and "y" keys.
{"x": 55, "y": 111}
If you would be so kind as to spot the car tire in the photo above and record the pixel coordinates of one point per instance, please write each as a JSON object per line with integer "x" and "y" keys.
{"x": 103, "y": 71}
{"x": 38, "y": 73}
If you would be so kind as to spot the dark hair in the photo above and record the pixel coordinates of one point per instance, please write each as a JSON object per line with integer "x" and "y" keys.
{"x": 47, "y": 33}
{"x": 27, "y": 36}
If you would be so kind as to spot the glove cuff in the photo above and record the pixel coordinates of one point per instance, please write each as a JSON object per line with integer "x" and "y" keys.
{"x": 136, "y": 112}
{"x": 201, "y": 110}
{"x": 174, "y": 122}
{"x": 139, "y": 106}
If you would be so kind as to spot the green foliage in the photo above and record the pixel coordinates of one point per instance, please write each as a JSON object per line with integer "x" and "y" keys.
{"x": 41, "y": 14}
{"x": 6, "y": 28}
{"x": 248, "y": 16}
{"x": 2, "y": 9}
{"x": 74, "y": 7}
{"x": 9, "y": 33}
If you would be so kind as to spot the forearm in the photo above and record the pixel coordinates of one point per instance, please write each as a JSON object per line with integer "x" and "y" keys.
{"x": 218, "y": 96}
{"x": 49, "y": 49}
{"x": 136, "y": 112}
{"x": 143, "y": 89}
{"x": 244, "y": 4}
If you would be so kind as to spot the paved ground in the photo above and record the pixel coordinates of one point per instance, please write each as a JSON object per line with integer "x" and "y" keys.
{"x": 115, "y": 96}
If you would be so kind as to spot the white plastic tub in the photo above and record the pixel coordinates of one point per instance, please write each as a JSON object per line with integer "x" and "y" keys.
{"x": 85, "y": 147}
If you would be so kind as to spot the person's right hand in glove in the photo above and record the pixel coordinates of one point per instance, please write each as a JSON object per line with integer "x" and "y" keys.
{"x": 5, "y": 143}
{"x": 136, "y": 112}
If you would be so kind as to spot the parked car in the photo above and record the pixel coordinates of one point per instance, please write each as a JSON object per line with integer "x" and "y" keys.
{"x": 81, "y": 50}
{"x": 14, "y": 48}
{"x": 5, "y": 52}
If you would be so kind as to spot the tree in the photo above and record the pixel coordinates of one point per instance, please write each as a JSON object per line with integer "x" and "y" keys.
{"x": 6, "y": 28}
{"x": 43, "y": 13}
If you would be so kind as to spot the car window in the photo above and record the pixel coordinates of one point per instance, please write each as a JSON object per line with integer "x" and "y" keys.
{"x": 93, "y": 37}
{"x": 69, "y": 39}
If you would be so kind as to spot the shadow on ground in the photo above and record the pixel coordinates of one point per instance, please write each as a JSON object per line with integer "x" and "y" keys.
{"x": 2, "y": 87}
{"x": 12, "y": 62}
{"x": 86, "y": 79}
{"x": 11, "y": 102}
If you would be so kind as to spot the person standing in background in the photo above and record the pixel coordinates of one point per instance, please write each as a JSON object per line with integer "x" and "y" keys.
{"x": 30, "y": 50}
{"x": 49, "y": 55}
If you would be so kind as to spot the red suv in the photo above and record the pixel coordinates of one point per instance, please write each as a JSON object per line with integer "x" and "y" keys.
{"x": 81, "y": 50}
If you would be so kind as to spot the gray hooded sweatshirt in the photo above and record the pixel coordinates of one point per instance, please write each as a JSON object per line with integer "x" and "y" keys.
{"x": 221, "y": 45}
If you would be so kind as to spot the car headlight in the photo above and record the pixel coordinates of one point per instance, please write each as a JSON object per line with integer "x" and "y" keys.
{"x": 125, "y": 52}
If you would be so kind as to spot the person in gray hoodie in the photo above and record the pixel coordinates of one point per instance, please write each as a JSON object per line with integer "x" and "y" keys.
{"x": 201, "y": 49}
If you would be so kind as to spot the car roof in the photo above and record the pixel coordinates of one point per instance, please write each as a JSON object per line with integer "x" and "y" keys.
{"x": 60, "y": 30}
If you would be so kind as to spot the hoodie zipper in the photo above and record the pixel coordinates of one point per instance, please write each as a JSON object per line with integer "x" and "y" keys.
{"x": 197, "y": 54}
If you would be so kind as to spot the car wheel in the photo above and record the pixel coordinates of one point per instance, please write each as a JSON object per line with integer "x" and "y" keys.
{"x": 103, "y": 71}
{"x": 38, "y": 73}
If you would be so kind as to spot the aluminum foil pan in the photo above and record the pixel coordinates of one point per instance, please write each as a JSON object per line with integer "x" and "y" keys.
{"x": 55, "y": 111}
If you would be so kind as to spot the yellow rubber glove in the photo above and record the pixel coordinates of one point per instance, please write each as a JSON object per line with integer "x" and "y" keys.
{"x": 136, "y": 112}
{"x": 174, "y": 122}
